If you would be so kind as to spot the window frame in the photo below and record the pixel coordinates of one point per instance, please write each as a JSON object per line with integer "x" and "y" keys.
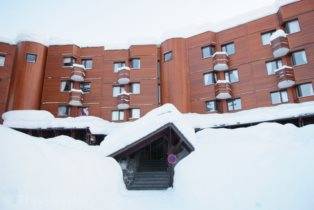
{"x": 233, "y": 106}
{"x": 278, "y": 60}
{"x": 116, "y": 70}
{"x": 132, "y": 88}
{"x": 211, "y": 48}
{"x": 85, "y": 60}
{"x": 298, "y": 90}
{"x": 225, "y": 46}
{"x": 280, "y": 96}
{"x": 139, "y": 113}
{"x": 68, "y": 112}
{"x": 84, "y": 83}
{"x": 31, "y": 54}
{"x": 73, "y": 60}
{"x": 293, "y": 57}
{"x": 139, "y": 62}
{"x": 228, "y": 73}
{"x": 215, "y": 102}
{"x": 287, "y": 29}
{"x": 121, "y": 88}
{"x": 81, "y": 110}
{"x": 66, "y": 81}
{"x": 214, "y": 78}
{"x": 168, "y": 53}
{"x": 265, "y": 33}
{"x": 3, "y": 58}
{"x": 119, "y": 115}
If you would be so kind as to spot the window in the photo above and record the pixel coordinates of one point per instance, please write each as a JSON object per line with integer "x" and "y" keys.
{"x": 279, "y": 97}
{"x": 167, "y": 56}
{"x": 117, "y": 115}
{"x": 305, "y": 90}
{"x": 232, "y": 76}
{"x": 209, "y": 78}
{"x": 234, "y": 104}
{"x": 31, "y": 58}
{"x": 2, "y": 60}
{"x": 135, "y": 113}
{"x": 68, "y": 61}
{"x": 85, "y": 87}
{"x": 228, "y": 48}
{"x": 208, "y": 51}
{"x": 211, "y": 106}
{"x": 87, "y": 63}
{"x": 116, "y": 90}
{"x": 292, "y": 27}
{"x": 271, "y": 66}
{"x": 135, "y": 63}
{"x": 84, "y": 111}
{"x": 299, "y": 58}
{"x": 136, "y": 88}
{"x": 266, "y": 37}
{"x": 66, "y": 86}
{"x": 63, "y": 111}
{"x": 118, "y": 65}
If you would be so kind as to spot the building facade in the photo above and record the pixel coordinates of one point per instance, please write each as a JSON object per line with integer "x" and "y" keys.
{"x": 263, "y": 62}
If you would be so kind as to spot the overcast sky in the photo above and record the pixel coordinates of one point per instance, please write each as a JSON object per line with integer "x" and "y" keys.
{"x": 118, "y": 23}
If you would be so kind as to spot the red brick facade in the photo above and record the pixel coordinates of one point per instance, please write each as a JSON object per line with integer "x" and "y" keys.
{"x": 170, "y": 73}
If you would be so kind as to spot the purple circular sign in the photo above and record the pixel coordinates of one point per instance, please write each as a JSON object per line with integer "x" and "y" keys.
{"x": 172, "y": 159}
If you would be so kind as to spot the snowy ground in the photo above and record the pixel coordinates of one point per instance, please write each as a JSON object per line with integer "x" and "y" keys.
{"x": 264, "y": 167}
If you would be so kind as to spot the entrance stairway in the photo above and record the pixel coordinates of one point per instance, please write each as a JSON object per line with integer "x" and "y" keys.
{"x": 152, "y": 175}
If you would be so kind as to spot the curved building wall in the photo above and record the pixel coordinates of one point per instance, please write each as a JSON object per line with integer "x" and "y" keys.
{"x": 174, "y": 74}
{"x": 26, "y": 87}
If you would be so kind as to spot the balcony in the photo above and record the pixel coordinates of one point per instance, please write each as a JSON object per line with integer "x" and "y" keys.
{"x": 285, "y": 76}
{"x": 78, "y": 72}
{"x": 220, "y": 61}
{"x": 76, "y": 97}
{"x": 124, "y": 75}
{"x": 123, "y": 101}
{"x": 279, "y": 43}
{"x": 223, "y": 89}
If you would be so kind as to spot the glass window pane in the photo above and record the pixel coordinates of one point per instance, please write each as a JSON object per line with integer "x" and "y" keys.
{"x": 117, "y": 66}
{"x": 208, "y": 79}
{"x": 299, "y": 58}
{"x": 237, "y": 104}
{"x": 284, "y": 96}
{"x": 85, "y": 87}
{"x": 88, "y": 63}
{"x": 207, "y": 51}
{"x": 63, "y": 111}
{"x": 68, "y": 61}
{"x": 2, "y": 60}
{"x": 115, "y": 115}
{"x": 292, "y": 27}
{"x": 136, "y": 88}
{"x": 116, "y": 91}
{"x": 31, "y": 58}
{"x": 168, "y": 56}
{"x": 229, "y": 48}
{"x": 136, "y": 113}
{"x": 136, "y": 63}
{"x": 121, "y": 115}
{"x": 266, "y": 37}
{"x": 84, "y": 111}
{"x": 275, "y": 98}
{"x": 66, "y": 86}
{"x": 305, "y": 90}
{"x": 211, "y": 106}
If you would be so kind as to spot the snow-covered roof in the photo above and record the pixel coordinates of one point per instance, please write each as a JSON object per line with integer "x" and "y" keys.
{"x": 34, "y": 119}
{"x": 152, "y": 121}
{"x": 261, "y": 114}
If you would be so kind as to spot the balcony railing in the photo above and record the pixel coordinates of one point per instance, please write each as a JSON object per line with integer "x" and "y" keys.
{"x": 76, "y": 97}
{"x": 124, "y": 75}
{"x": 123, "y": 100}
{"x": 223, "y": 89}
{"x": 279, "y": 43}
{"x": 78, "y": 72}
{"x": 285, "y": 76}
{"x": 220, "y": 61}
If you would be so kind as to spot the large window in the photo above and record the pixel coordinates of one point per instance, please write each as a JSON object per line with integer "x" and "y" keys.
{"x": 68, "y": 61}
{"x": 136, "y": 88}
{"x": 292, "y": 26}
{"x": 167, "y": 56}
{"x": 299, "y": 58}
{"x": 31, "y": 57}
{"x": 135, "y": 63}
{"x": 116, "y": 90}
{"x": 84, "y": 111}
{"x": 135, "y": 113}
{"x": 2, "y": 60}
{"x": 211, "y": 106}
{"x": 209, "y": 78}
{"x": 279, "y": 97}
{"x": 232, "y": 76}
{"x": 87, "y": 63}
{"x": 85, "y": 87}
{"x": 208, "y": 51}
{"x": 118, "y": 65}
{"x": 271, "y": 66}
{"x": 228, "y": 48}
{"x": 266, "y": 37}
{"x": 63, "y": 111}
{"x": 66, "y": 86}
{"x": 234, "y": 104}
{"x": 305, "y": 89}
{"x": 117, "y": 115}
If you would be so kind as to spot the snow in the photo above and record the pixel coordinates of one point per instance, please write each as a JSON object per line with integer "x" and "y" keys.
{"x": 123, "y": 68}
{"x": 232, "y": 169}
{"x": 276, "y": 34}
{"x": 223, "y": 81}
{"x": 153, "y": 120}
{"x": 250, "y": 116}
{"x": 112, "y": 38}
{"x": 283, "y": 67}
{"x": 220, "y": 53}
{"x": 78, "y": 65}
{"x": 76, "y": 90}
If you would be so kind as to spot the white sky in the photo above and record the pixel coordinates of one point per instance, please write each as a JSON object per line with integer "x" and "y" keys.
{"x": 119, "y": 23}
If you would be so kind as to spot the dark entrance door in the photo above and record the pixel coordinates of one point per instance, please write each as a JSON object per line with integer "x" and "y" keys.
{"x": 154, "y": 156}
